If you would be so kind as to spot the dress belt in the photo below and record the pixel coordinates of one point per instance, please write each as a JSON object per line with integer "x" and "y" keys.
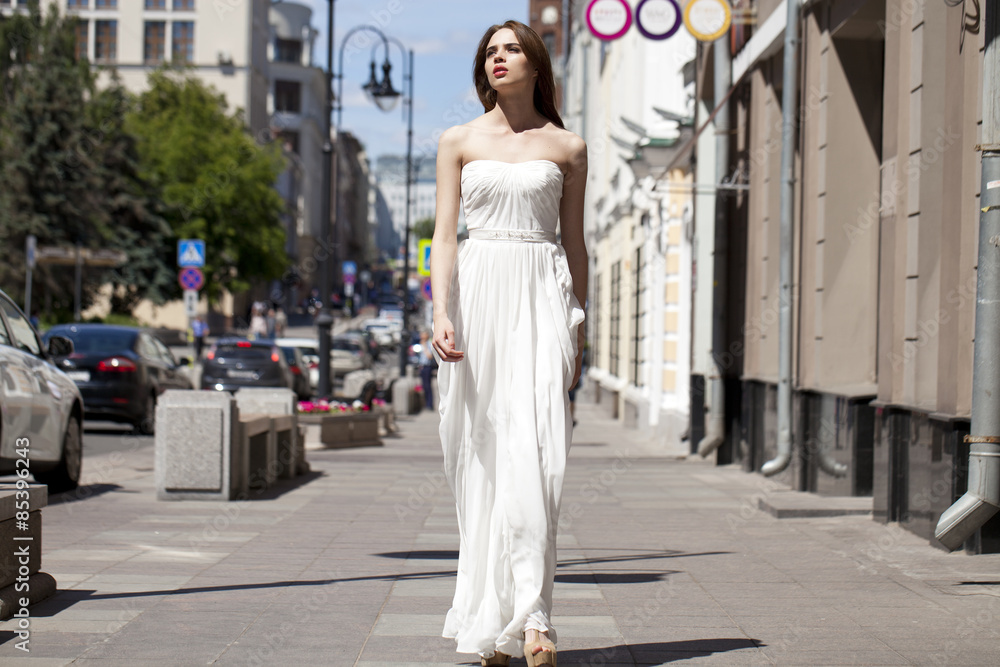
{"x": 529, "y": 235}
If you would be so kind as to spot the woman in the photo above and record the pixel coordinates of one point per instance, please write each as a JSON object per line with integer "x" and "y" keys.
{"x": 507, "y": 318}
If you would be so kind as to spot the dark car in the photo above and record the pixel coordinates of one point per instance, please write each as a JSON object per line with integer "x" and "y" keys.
{"x": 232, "y": 364}
{"x": 300, "y": 371}
{"x": 41, "y": 410}
{"x": 120, "y": 371}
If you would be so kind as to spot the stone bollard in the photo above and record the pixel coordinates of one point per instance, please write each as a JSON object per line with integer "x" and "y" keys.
{"x": 21, "y": 549}
{"x": 198, "y": 454}
{"x": 405, "y": 400}
{"x": 275, "y": 402}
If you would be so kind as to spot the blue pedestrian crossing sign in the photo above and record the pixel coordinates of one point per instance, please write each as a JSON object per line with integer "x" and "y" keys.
{"x": 191, "y": 252}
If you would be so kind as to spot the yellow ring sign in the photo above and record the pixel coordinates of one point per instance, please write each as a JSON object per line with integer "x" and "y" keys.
{"x": 707, "y": 20}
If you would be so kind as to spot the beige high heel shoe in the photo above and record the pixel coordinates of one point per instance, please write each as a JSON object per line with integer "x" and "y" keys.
{"x": 535, "y": 657}
{"x": 497, "y": 659}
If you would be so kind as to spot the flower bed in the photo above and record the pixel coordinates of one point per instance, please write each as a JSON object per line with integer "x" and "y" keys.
{"x": 341, "y": 424}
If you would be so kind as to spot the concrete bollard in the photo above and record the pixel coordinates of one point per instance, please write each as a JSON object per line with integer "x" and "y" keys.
{"x": 275, "y": 402}
{"x": 197, "y": 454}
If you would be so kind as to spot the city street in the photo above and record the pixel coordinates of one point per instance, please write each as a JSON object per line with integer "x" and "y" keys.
{"x": 661, "y": 560}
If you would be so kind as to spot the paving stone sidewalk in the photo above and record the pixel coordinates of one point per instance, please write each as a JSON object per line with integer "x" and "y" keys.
{"x": 660, "y": 561}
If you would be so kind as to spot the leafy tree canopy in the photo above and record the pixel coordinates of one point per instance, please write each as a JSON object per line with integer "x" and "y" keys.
{"x": 215, "y": 181}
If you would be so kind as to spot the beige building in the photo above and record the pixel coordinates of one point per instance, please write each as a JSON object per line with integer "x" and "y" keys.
{"x": 885, "y": 236}
{"x": 631, "y": 101}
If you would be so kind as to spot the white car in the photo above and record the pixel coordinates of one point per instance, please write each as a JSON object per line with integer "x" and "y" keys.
{"x": 310, "y": 354}
{"x": 387, "y": 332}
{"x": 41, "y": 411}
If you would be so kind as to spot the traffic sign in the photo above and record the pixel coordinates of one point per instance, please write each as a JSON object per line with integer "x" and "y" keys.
{"x": 425, "y": 289}
{"x": 350, "y": 270}
{"x": 424, "y": 257}
{"x": 191, "y": 278}
{"x": 191, "y": 252}
{"x": 191, "y": 303}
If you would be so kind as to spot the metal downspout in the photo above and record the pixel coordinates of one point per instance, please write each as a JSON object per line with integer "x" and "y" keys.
{"x": 715, "y": 430}
{"x": 788, "y": 113}
{"x": 982, "y": 500}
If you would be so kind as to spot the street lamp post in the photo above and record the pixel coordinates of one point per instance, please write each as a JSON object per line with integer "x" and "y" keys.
{"x": 324, "y": 322}
{"x": 385, "y": 97}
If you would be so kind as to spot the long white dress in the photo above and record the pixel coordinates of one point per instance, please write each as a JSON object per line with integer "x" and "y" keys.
{"x": 505, "y": 421}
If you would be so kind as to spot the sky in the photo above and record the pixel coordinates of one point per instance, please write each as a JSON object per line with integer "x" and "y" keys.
{"x": 443, "y": 35}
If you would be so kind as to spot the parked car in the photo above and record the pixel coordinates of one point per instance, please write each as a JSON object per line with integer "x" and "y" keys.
{"x": 300, "y": 371}
{"x": 41, "y": 409}
{"x": 309, "y": 348}
{"x": 367, "y": 339}
{"x": 234, "y": 363}
{"x": 120, "y": 371}
{"x": 387, "y": 333}
{"x": 348, "y": 355}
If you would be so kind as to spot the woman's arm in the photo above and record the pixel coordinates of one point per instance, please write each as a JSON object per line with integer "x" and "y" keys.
{"x": 444, "y": 245}
{"x": 571, "y": 218}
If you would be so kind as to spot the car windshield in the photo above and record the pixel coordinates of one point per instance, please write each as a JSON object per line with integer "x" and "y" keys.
{"x": 89, "y": 341}
{"x": 289, "y": 355}
{"x": 349, "y": 345}
{"x": 247, "y": 352}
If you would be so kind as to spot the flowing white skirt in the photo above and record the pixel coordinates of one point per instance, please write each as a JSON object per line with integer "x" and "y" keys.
{"x": 505, "y": 431}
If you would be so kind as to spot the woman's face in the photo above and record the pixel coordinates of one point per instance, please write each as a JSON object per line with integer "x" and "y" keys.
{"x": 506, "y": 63}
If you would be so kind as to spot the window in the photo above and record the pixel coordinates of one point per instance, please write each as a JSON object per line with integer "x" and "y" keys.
{"x": 184, "y": 5}
{"x": 105, "y": 4}
{"x": 287, "y": 96}
{"x": 635, "y": 370}
{"x": 183, "y": 41}
{"x": 156, "y": 42}
{"x": 616, "y": 314}
{"x": 288, "y": 51}
{"x": 156, "y": 4}
{"x": 594, "y": 325}
{"x": 82, "y": 35}
{"x": 106, "y": 41}
{"x": 71, "y": 4}
{"x": 24, "y": 336}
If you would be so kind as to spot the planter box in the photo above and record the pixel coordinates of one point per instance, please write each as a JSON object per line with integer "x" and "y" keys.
{"x": 345, "y": 429}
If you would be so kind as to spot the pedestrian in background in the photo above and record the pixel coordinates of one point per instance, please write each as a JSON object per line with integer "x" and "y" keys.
{"x": 272, "y": 322}
{"x": 198, "y": 331}
{"x": 280, "y": 322}
{"x": 427, "y": 366}
{"x": 258, "y": 325}
{"x": 507, "y": 318}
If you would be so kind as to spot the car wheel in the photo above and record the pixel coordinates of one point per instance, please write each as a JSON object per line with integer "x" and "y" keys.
{"x": 147, "y": 425}
{"x": 66, "y": 476}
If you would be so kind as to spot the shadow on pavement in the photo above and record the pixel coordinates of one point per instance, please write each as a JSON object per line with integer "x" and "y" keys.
{"x": 615, "y": 577}
{"x": 655, "y": 653}
{"x": 637, "y": 555}
{"x": 85, "y": 492}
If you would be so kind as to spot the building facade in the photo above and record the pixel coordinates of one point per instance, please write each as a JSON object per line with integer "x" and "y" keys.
{"x": 885, "y": 227}
{"x": 630, "y": 101}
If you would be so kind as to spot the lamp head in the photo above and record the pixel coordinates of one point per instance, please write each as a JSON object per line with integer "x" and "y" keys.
{"x": 385, "y": 96}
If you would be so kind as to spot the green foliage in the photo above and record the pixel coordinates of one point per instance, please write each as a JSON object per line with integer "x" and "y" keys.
{"x": 70, "y": 170}
{"x": 424, "y": 228}
{"x": 216, "y": 183}
{"x": 51, "y": 184}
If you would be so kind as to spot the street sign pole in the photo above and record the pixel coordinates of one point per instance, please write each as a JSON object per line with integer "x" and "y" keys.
{"x": 30, "y": 244}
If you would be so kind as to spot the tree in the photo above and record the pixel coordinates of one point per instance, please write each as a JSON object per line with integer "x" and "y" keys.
{"x": 424, "y": 228}
{"x": 51, "y": 185}
{"x": 216, "y": 182}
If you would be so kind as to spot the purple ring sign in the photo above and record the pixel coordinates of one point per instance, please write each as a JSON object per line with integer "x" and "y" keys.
{"x": 658, "y": 19}
{"x": 609, "y": 19}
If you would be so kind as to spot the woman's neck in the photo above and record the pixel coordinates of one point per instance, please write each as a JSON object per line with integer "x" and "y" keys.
{"x": 517, "y": 110}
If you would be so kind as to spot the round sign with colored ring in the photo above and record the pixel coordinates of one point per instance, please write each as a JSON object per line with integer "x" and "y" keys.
{"x": 658, "y": 19}
{"x": 609, "y": 19}
{"x": 707, "y": 20}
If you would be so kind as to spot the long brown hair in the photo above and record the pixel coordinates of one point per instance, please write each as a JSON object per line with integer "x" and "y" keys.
{"x": 538, "y": 56}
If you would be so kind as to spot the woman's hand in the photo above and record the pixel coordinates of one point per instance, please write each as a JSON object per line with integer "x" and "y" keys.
{"x": 444, "y": 340}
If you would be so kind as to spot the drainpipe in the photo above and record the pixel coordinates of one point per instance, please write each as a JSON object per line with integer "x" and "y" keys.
{"x": 715, "y": 431}
{"x": 982, "y": 500}
{"x": 788, "y": 109}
